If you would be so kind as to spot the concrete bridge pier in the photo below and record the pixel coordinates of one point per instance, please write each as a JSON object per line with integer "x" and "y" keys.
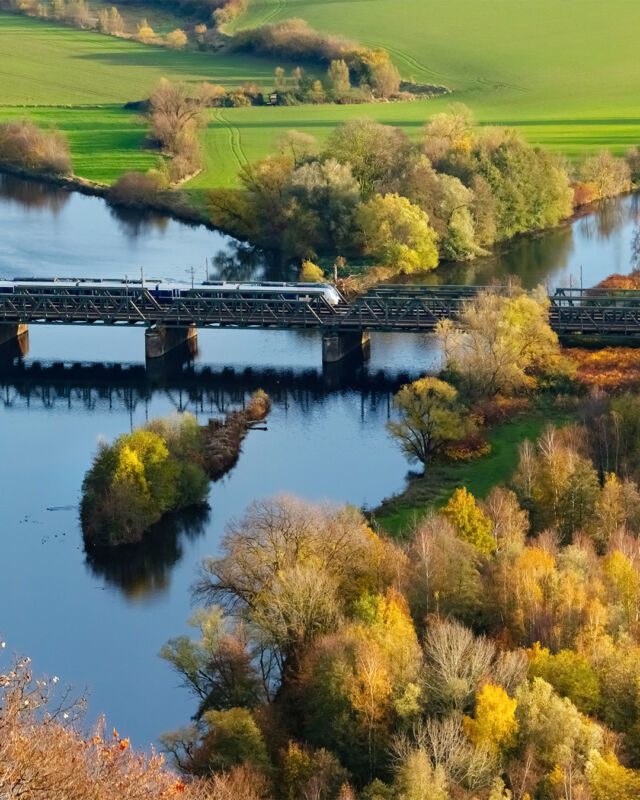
{"x": 165, "y": 347}
{"x": 14, "y": 338}
{"x": 339, "y": 345}
{"x": 159, "y": 341}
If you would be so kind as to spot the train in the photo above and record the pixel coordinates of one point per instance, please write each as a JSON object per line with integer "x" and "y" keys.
{"x": 166, "y": 290}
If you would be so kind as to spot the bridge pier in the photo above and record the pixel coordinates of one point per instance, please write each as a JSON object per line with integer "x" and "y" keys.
{"x": 160, "y": 340}
{"x": 339, "y": 345}
{"x": 15, "y": 335}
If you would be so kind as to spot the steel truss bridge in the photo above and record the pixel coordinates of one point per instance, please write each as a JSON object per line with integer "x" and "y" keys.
{"x": 396, "y": 308}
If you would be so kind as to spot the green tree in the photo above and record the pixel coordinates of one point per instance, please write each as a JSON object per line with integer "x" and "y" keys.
{"x": 377, "y": 153}
{"x": 338, "y": 80}
{"x": 430, "y": 417}
{"x": 228, "y": 738}
{"x": 570, "y": 674}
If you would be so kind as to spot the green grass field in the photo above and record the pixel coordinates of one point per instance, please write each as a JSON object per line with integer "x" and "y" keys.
{"x": 79, "y": 82}
{"x": 479, "y": 475}
{"x": 566, "y": 74}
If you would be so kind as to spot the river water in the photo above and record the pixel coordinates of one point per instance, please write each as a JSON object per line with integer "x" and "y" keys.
{"x": 98, "y": 624}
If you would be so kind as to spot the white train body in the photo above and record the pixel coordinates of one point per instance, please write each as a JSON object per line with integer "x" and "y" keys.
{"x": 164, "y": 290}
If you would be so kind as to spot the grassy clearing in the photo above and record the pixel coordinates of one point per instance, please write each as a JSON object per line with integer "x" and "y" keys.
{"x": 479, "y": 476}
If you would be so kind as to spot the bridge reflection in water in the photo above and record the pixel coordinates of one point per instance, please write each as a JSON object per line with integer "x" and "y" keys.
{"x": 202, "y": 391}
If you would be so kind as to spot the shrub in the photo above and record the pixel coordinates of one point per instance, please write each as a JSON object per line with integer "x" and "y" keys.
{"x": 146, "y": 33}
{"x": 229, "y": 11}
{"x": 296, "y": 40}
{"x": 609, "y": 175}
{"x": 177, "y": 39}
{"x": 26, "y": 145}
{"x": 311, "y": 273}
{"x": 472, "y": 446}
{"x": 134, "y": 189}
{"x": 584, "y": 193}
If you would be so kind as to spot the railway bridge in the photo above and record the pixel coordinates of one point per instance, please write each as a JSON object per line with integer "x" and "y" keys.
{"x": 346, "y": 326}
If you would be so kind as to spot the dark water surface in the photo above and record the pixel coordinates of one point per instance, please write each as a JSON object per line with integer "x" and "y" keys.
{"x": 101, "y": 624}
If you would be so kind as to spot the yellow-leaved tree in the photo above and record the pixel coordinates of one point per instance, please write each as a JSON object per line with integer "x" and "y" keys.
{"x": 469, "y": 521}
{"x": 311, "y": 273}
{"x": 397, "y": 234}
{"x": 494, "y": 726}
{"x": 498, "y": 341}
{"x": 430, "y": 416}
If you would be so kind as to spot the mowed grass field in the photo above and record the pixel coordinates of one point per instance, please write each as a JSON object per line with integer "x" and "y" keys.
{"x": 80, "y": 81}
{"x": 567, "y": 74}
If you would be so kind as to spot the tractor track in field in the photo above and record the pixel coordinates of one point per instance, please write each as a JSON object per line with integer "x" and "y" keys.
{"x": 273, "y": 13}
{"x": 410, "y": 60}
{"x": 235, "y": 141}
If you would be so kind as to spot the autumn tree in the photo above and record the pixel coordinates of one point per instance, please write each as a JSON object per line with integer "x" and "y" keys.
{"x": 430, "y": 417}
{"x": 173, "y": 113}
{"x": 297, "y": 145}
{"x": 445, "y": 576}
{"x": 311, "y": 273}
{"x": 494, "y": 724}
{"x": 145, "y": 31}
{"x": 498, "y": 342}
{"x": 44, "y": 754}
{"x": 416, "y": 779}
{"x": 397, "y": 234}
{"x": 287, "y": 570}
{"x": 177, "y": 39}
{"x": 558, "y": 484}
{"x": 469, "y": 521}
{"x": 377, "y": 153}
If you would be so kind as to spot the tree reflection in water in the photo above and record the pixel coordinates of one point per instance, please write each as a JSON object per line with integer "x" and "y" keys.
{"x": 143, "y": 570}
{"x": 32, "y": 194}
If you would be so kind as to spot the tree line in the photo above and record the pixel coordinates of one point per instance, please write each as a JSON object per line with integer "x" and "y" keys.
{"x": 371, "y": 193}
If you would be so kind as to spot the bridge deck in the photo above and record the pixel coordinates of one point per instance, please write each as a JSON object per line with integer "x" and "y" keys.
{"x": 386, "y": 308}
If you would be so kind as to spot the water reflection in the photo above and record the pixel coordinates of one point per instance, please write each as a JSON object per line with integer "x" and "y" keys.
{"x": 33, "y": 195}
{"x": 528, "y": 258}
{"x": 135, "y": 222}
{"x": 143, "y": 571}
{"x": 201, "y": 391}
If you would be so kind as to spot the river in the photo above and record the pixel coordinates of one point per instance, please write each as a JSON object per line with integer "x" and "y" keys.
{"x": 101, "y": 625}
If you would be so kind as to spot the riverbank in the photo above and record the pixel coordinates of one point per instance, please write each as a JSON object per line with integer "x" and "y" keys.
{"x": 432, "y": 491}
{"x": 173, "y": 204}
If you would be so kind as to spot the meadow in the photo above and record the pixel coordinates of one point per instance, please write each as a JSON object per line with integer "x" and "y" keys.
{"x": 566, "y": 75}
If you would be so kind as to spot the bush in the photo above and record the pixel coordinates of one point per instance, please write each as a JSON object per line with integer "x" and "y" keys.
{"x": 311, "y": 273}
{"x": 25, "y": 145}
{"x": 609, "y": 175}
{"x": 134, "y": 189}
{"x": 177, "y": 39}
